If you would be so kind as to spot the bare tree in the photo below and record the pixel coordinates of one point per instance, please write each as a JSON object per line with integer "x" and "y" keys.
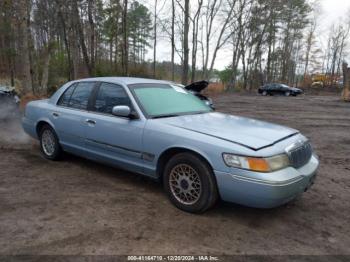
{"x": 91, "y": 9}
{"x": 185, "y": 63}
{"x": 23, "y": 8}
{"x": 63, "y": 24}
{"x": 155, "y": 38}
{"x": 81, "y": 35}
{"x": 337, "y": 40}
{"x": 125, "y": 51}
{"x": 222, "y": 39}
{"x": 173, "y": 40}
{"x": 195, "y": 28}
{"x": 346, "y": 79}
{"x": 59, "y": 39}
{"x": 212, "y": 9}
{"x": 309, "y": 43}
{"x": 310, "y": 34}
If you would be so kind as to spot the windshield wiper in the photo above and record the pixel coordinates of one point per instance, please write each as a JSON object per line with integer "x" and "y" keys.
{"x": 164, "y": 116}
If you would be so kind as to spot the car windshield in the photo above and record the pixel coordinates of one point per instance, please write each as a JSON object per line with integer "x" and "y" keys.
{"x": 165, "y": 100}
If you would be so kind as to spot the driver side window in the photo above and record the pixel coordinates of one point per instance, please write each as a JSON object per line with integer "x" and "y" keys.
{"x": 109, "y": 96}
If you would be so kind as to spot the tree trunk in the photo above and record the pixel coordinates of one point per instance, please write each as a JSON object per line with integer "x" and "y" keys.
{"x": 220, "y": 42}
{"x": 81, "y": 38}
{"x": 91, "y": 8}
{"x": 194, "y": 40}
{"x": 173, "y": 41}
{"x": 185, "y": 42}
{"x": 24, "y": 51}
{"x": 125, "y": 51}
{"x": 75, "y": 54}
{"x": 155, "y": 39}
{"x": 111, "y": 51}
{"x": 45, "y": 76}
{"x": 346, "y": 80}
{"x": 66, "y": 43}
{"x": 116, "y": 43}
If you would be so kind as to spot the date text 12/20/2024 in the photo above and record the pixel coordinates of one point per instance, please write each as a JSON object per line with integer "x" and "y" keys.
{"x": 173, "y": 258}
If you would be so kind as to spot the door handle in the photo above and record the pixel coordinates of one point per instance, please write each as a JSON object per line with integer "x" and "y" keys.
{"x": 90, "y": 122}
{"x": 55, "y": 114}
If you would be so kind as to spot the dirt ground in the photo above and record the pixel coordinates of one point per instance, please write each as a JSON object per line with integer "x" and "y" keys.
{"x": 76, "y": 207}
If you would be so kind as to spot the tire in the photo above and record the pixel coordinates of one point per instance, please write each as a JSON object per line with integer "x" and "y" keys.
{"x": 49, "y": 144}
{"x": 190, "y": 183}
{"x": 287, "y": 93}
{"x": 264, "y": 93}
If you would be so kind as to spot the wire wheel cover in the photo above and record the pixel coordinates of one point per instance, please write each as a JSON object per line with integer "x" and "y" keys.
{"x": 48, "y": 142}
{"x": 185, "y": 184}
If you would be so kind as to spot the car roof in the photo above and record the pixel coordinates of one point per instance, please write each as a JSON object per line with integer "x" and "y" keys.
{"x": 280, "y": 84}
{"x": 124, "y": 80}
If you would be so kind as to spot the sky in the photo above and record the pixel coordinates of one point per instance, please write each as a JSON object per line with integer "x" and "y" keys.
{"x": 332, "y": 11}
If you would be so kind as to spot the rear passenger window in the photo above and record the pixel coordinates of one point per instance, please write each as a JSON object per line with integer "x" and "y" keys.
{"x": 64, "y": 99}
{"x": 110, "y": 95}
{"x": 81, "y": 95}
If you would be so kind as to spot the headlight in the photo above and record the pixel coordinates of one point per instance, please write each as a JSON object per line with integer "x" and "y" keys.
{"x": 267, "y": 164}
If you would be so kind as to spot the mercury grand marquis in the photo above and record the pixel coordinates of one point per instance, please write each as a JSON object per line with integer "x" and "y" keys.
{"x": 162, "y": 131}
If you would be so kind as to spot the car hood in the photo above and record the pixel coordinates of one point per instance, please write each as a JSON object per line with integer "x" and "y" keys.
{"x": 197, "y": 86}
{"x": 247, "y": 132}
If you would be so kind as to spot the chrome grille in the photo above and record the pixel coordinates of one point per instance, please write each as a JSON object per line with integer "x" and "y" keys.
{"x": 301, "y": 155}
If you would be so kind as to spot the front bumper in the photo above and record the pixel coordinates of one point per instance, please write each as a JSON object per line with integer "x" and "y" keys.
{"x": 266, "y": 190}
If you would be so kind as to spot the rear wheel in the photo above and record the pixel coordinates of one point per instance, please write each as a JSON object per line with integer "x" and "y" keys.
{"x": 49, "y": 144}
{"x": 287, "y": 93}
{"x": 264, "y": 93}
{"x": 190, "y": 183}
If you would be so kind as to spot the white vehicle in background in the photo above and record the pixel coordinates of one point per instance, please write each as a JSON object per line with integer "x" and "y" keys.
{"x": 9, "y": 94}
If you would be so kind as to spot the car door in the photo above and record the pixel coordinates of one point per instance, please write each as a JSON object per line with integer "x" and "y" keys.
{"x": 69, "y": 116}
{"x": 274, "y": 89}
{"x": 281, "y": 89}
{"x": 117, "y": 140}
{"x": 286, "y": 89}
{"x": 269, "y": 89}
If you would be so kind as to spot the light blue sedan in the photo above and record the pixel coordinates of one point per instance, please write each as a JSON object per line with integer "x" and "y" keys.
{"x": 162, "y": 131}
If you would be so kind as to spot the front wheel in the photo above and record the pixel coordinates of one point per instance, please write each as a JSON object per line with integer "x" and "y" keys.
{"x": 49, "y": 144}
{"x": 264, "y": 93}
{"x": 190, "y": 183}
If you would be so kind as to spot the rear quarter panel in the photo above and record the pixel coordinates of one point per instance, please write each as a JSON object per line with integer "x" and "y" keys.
{"x": 35, "y": 112}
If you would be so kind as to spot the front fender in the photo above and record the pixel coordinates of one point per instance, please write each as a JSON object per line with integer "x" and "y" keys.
{"x": 194, "y": 149}
{"x": 158, "y": 139}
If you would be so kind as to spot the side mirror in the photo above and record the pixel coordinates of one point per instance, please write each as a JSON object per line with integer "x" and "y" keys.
{"x": 123, "y": 111}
